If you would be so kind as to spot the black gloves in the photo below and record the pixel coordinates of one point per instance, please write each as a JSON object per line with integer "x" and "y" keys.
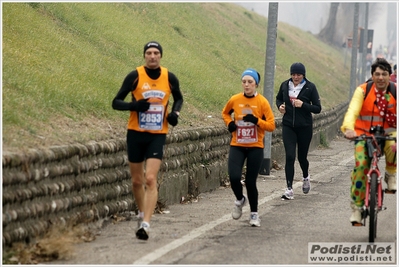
{"x": 247, "y": 118}
{"x": 232, "y": 126}
{"x": 172, "y": 118}
{"x": 251, "y": 118}
{"x": 140, "y": 106}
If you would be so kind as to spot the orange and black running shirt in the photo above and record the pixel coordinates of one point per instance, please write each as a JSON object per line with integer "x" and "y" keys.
{"x": 156, "y": 85}
{"x": 157, "y": 92}
{"x": 247, "y": 133}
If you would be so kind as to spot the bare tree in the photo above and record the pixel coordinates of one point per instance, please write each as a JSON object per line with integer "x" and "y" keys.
{"x": 328, "y": 32}
{"x": 340, "y": 22}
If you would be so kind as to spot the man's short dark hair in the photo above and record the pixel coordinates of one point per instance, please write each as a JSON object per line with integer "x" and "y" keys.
{"x": 381, "y": 63}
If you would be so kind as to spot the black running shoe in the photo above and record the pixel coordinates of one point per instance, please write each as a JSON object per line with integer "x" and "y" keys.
{"x": 142, "y": 232}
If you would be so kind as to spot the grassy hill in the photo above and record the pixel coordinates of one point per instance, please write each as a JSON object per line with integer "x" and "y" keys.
{"x": 63, "y": 63}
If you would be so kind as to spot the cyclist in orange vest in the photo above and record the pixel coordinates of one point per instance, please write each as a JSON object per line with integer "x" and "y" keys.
{"x": 150, "y": 87}
{"x": 378, "y": 107}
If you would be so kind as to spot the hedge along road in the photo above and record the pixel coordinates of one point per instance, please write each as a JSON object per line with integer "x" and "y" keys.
{"x": 203, "y": 232}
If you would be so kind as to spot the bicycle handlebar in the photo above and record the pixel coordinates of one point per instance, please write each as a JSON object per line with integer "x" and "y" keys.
{"x": 376, "y": 137}
{"x": 374, "y": 143}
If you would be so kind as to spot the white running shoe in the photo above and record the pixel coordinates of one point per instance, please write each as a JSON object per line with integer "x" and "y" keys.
{"x": 254, "y": 220}
{"x": 356, "y": 216}
{"x": 306, "y": 185}
{"x": 288, "y": 194}
{"x": 237, "y": 211}
{"x": 390, "y": 179}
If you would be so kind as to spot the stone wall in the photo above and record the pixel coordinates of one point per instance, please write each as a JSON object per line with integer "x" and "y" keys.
{"x": 82, "y": 183}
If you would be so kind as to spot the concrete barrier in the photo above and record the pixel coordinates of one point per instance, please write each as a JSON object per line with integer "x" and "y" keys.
{"x": 79, "y": 183}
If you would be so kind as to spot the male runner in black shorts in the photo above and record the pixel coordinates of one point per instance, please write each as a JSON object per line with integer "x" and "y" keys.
{"x": 150, "y": 86}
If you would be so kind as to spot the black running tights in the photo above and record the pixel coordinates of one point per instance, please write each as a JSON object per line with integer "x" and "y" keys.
{"x": 254, "y": 158}
{"x": 293, "y": 137}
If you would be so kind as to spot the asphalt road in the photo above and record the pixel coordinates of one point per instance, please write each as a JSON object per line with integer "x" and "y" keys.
{"x": 203, "y": 232}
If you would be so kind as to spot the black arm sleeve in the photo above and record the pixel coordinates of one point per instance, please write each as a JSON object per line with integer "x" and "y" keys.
{"x": 282, "y": 94}
{"x": 128, "y": 85}
{"x": 279, "y": 97}
{"x": 176, "y": 93}
{"x": 315, "y": 106}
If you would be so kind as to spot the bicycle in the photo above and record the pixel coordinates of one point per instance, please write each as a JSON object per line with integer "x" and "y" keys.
{"x": 373, "y": 202}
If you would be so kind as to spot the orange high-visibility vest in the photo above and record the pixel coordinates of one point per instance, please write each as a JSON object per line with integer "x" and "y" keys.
{"x": 370, "y": 114}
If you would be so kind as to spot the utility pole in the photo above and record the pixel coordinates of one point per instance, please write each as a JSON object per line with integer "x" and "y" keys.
{"x": 269, "y": 79}
{"x": 365, "y": 41}
{"x": 355, "y": 43}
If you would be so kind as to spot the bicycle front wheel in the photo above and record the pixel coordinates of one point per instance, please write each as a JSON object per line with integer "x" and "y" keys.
{"x": 373, "y": 202}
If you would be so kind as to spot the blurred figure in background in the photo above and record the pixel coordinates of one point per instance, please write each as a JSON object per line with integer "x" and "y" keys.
{"x": 393, "y": 75}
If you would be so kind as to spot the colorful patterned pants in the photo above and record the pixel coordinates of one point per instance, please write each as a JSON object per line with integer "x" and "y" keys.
{"x": 362, "y": 161}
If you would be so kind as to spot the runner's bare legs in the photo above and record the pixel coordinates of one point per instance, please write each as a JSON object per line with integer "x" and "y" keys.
{"x": 145, "y": 189}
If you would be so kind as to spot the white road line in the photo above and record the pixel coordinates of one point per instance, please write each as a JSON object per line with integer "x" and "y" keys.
{"x": 158, "y": 253}
{"x": 147, "y": 259}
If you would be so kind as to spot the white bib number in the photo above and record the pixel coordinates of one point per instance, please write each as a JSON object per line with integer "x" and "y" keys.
{"x": 246, "y": 132}
{"x": 152, "y": 119}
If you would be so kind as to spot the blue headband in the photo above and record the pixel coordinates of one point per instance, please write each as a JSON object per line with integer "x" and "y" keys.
{"x": 253, "y": 73}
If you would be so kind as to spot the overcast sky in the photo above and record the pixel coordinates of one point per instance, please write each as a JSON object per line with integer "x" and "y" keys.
{"x": 312, "y": 16}
{"x": 307, "y": 16}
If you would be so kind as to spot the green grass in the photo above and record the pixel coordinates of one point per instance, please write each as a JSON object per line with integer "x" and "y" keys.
{"x": 64, "y": 62}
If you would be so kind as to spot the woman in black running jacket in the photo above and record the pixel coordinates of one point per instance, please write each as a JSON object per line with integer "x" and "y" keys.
{"x": 297, "y": 99}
